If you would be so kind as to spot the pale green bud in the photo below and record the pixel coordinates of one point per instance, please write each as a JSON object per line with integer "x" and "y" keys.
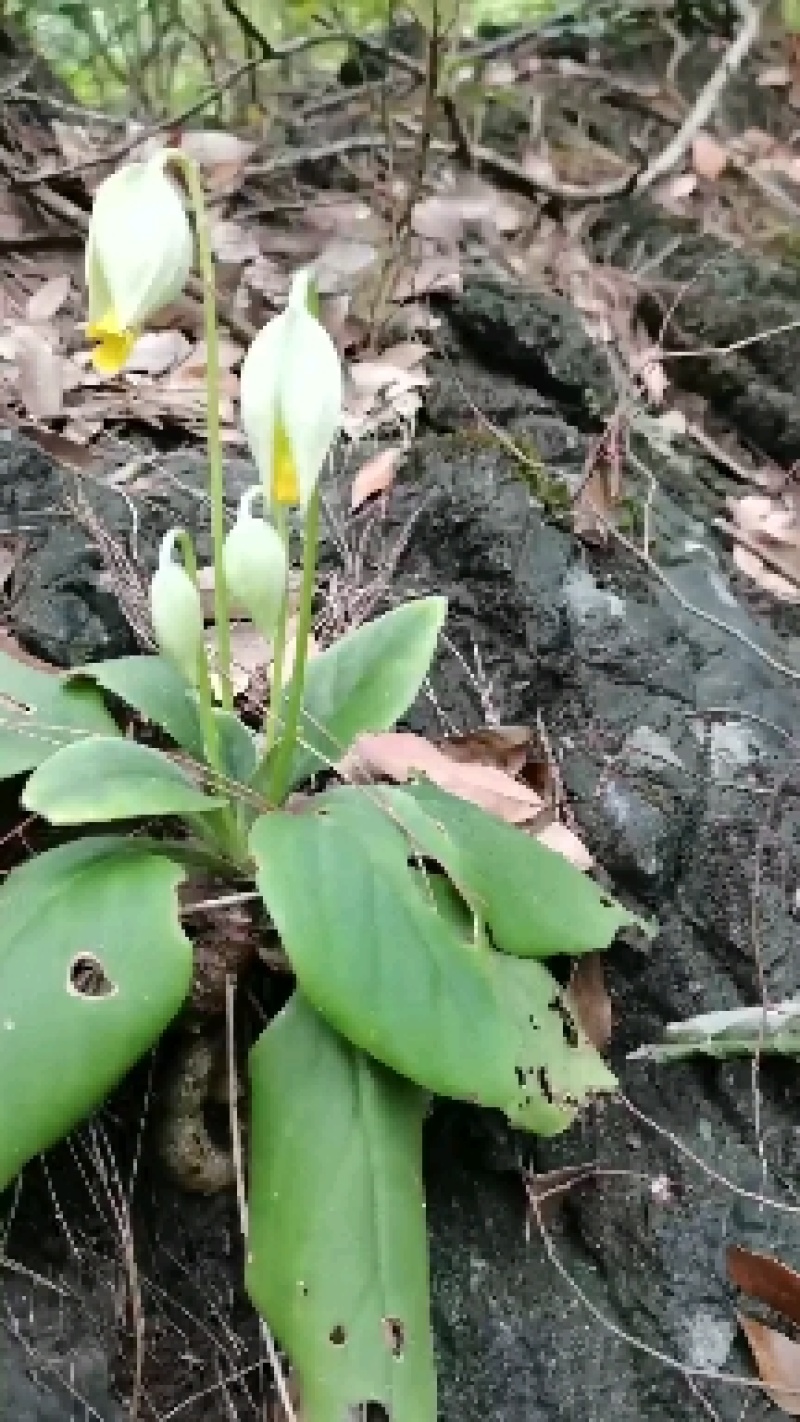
{"x": 256, "y": 566}
{"x": 291, "y": 400}
{"x": 177, "y": 613}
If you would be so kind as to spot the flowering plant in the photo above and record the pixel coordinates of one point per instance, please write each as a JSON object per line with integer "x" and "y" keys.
{"x": 415, "y": 924}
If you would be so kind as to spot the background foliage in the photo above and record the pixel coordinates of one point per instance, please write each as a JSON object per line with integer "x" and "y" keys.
{"x": 155, "y": 56}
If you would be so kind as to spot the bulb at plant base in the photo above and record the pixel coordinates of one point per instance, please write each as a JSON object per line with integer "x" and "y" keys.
{"x": 256, "y": 566}
{"x": 139, "y": 254}
{"x": 177, "y": 614}
{"x": 291, "y": 400}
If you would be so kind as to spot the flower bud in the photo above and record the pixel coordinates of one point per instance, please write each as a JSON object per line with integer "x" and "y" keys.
{"x": 138, "y": 257}
{"x": 256, "y": 566}
{"x": 177, "y": 614}
{"x": 291, "y": 400}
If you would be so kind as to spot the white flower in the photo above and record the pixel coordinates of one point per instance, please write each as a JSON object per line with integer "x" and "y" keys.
{"x": 291, "y": 400}
{"x": 176, "y": 613}
{"x": 138, "y": 256}
{"x": 256, "y": 566}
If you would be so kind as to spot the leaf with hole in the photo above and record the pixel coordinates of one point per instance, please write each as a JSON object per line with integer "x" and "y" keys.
{"x": 40, "y": 712}
{"x": 102, "y": 779}
{"x": 378, "y": 958}
{"x": 152, "y": 687}
{"x": 364, "y": 682}
{"x": 337, "y": 1250}
{"x": 93, "y": 966}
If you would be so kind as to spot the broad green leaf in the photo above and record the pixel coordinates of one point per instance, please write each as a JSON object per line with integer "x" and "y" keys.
{"x": 377, "y": 958}
{"x": 535, "y": 903}
{"x": 152, "y": 686}
{"x": 364, "y": 682}
{"x": 40, "y": 713}
{"x": 103, "y": 779}
{"x": 557, "y": 1067}
{"x": 337, "y": 1250}
{"x": 93, "y": 966}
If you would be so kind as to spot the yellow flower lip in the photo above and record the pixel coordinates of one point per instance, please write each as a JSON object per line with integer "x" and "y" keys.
{"x": 114, "y": 344}
{"x": 285, "y": 484}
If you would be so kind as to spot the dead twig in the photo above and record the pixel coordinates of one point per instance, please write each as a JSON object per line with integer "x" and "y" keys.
{"x": 707, "y": 99}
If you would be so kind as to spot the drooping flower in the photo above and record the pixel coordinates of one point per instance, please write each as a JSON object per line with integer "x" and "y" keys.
{"x": 176, "y": 613}
{"x": 291, "y": 400}
{"x": 138, "y": 256}
{"x": 256, "y": 565}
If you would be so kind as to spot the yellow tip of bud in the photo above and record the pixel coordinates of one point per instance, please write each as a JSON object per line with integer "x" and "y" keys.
{"x": 285, "y": 484}
{"x": 114, "y": 345}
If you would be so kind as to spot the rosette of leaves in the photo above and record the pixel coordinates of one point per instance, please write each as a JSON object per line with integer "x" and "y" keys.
{"x": 417, "y": 927}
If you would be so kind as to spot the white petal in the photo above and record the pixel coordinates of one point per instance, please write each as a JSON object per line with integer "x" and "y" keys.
{"x": 140, "y": 240}
{"x": 310, "y": 396}
{"x": 258, "y": 387}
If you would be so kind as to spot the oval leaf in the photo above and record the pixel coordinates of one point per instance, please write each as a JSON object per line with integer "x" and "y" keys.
{"x": 364, "y": 682}
{"x": 93, "y": 965}
{"x": 534, "y": 901}
{"x": 101, "y": 779}
{"x": 40, "y": 712}
{"x": 337, "y": 1249}
{"x": 152, "y": 686}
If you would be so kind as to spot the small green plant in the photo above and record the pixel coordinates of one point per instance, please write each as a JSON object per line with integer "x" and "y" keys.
{"x": 415, "y": 924}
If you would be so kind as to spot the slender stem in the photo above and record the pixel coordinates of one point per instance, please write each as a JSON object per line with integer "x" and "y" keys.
{"x": 279, "y": 642}
{"x": 279, "y": 779}
{"x": 205, "y": 693}
{"x": 214, "y": 440}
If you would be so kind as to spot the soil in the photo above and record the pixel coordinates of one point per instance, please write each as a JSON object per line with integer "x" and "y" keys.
{"x": 671, "y": 702}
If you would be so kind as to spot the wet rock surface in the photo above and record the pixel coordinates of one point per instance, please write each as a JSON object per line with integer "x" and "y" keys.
{"x": 671, "y": 703}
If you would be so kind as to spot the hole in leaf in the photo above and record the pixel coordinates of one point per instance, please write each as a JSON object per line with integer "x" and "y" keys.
{"x": 338, "y": 1335}
{"x": 395, "y": 1335}
{"x": 568, "y": 1026}
{"x": 521, "y": 1075}
{"x": 303, "y": 1288}
{"x": 87, "y": 978}
{"x": 544, "y": 1085}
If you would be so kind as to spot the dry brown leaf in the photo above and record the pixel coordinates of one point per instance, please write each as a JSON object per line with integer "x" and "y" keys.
{"x": 440, "y": 274}
{"x": 777, "y": 1359}
{"x": 562, "y": 840}
{"x": 49, "y": 298}
{"x": 40, "y": 378}
{"x": 766, "y": 1278}
{"x": 589, "y": 999}
{"x": 399, "y": 755}
{"x": 343, "y": 264}
{"x": 593, "y": 509}
{"x": 776, "y": 76}
{"x": 210, "y": 147}
{"x": 506, "y": 747}
{"x": 375, "y": 477}
{"x": 156, "y": 352}
{"x": 709, "y": 157}
{"x": 233, "y": 242}
{"x": 59, "y": 446}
